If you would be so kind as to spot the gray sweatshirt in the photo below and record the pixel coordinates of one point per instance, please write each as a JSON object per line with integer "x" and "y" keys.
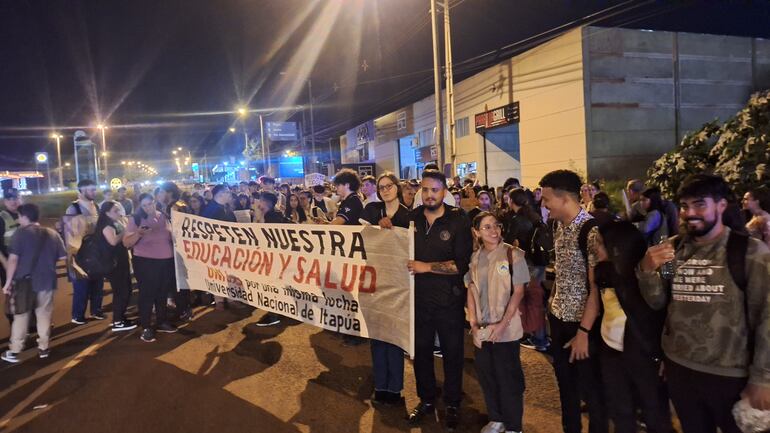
{"x": 705, "y": 327}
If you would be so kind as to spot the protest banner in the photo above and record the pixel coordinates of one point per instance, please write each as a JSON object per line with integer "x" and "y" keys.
{"x": 348, "y": 279}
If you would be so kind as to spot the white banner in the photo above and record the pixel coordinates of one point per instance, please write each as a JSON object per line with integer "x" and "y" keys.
{"x": 349, "y": 279}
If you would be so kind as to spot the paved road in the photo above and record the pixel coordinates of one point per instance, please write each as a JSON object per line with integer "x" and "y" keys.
{"x": 221, "y": 373}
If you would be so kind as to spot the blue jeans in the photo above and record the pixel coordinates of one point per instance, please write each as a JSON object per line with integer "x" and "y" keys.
{"x": 83, "y": 291}
{"x": 388, "y": 366}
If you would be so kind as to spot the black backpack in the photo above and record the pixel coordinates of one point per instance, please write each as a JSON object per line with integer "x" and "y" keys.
{"x": 541, "y": 244}
{"x": 95, "y": 257}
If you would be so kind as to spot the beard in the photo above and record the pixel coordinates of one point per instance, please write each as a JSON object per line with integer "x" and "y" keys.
{"x": 707, "y": 227}
{"x": 433, "y": 207}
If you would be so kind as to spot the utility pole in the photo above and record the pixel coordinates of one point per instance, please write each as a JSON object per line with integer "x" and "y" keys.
{"x": 450, "y": 87}
{"x": 437, "y": 87}
{"x": 262, "y": 144}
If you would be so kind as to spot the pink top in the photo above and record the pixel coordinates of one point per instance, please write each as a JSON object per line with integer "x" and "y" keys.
{"x": 156, "y": 243}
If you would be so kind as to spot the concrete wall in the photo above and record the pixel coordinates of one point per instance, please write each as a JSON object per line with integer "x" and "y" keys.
{"x": 547, "y": 82}
{"x": 645, "y": 90}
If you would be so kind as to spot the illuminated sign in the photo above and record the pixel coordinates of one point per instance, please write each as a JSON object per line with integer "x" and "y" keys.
{"x": 41, "y": 157}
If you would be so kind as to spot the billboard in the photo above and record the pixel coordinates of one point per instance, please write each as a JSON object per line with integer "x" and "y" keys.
{"x": 291, "y": 166}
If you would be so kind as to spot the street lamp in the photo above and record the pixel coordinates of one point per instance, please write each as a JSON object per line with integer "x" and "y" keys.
{"x": 103, "y": 128}
{"x": 58, "y": 138}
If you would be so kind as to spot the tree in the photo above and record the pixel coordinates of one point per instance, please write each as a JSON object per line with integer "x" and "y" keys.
{"x": 738, "y": 150}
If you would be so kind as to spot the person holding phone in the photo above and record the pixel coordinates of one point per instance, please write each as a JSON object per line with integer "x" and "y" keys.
{"x": 149, "y": 234}
{"x": 495, "y": 279}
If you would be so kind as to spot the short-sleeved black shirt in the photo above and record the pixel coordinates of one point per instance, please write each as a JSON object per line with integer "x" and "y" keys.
{"x": 449, "y": 238}
{"x": 351, "y": 209}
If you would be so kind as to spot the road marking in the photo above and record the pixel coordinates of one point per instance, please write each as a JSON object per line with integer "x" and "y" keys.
{"x": 101, "y": 341}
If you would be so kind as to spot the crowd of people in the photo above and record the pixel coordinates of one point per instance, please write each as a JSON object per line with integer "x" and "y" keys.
{"x": 664, "y": 301}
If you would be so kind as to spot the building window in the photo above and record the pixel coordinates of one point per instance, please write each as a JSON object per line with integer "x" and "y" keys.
{"x": 461, "y": 127}
{"x": 426, "y": 138}
{"x": 401, "y": 120}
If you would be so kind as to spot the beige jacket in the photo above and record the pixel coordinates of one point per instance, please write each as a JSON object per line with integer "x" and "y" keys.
{"x": 500, "y": 286}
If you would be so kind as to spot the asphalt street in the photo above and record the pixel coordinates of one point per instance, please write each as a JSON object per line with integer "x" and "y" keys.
{"x": 222, "y": 373}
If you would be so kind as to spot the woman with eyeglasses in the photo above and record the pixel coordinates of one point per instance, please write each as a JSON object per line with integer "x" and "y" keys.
{"x": 495, "y": 280}
{"x": 387, "y": 359}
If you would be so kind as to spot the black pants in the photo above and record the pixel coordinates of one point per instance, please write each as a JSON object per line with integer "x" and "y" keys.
{"x": 448, "y": 322}
{"x": 577, "y": 380}
{"x": 703, "y": 401}
{"x": 121, "y": 294}
{"x": 498, "y": 367}
{"x": 154, "y": 276}
{"x": 628, "y": 374}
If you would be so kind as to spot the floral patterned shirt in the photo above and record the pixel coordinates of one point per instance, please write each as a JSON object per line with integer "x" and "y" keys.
{"x": 570, "y": 289}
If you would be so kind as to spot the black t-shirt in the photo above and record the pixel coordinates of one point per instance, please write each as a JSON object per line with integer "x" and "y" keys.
{"x": 449, "y": 238}
{"x": 375, "y": 211}
{"x": 351, "y": 210}
{"x": 275, "y": 217}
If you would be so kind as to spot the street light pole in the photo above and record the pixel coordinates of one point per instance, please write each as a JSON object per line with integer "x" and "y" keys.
{"x": 437, "y": 87}
{"x": 58, "y": 156}
{"x": 312, "y": 123}
{"x": 104, "y": 153}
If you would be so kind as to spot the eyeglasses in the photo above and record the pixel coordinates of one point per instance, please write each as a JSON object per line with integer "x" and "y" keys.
{"x": 387, "y": 187}
{"x": 487, "y": 227}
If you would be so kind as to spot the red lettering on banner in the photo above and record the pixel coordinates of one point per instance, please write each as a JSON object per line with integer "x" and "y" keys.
{"x": 300, "y": 272}
{"x": 328, "y": 284}
{"x": 371, "y": 287}
{"x": 349, "y": 285}
{"x": 214, "y": 251}
{"x": 314, "y": 274}
{"x": 285, "y": 260}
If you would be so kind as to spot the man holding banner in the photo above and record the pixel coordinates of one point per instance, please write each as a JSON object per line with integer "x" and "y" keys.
{"x": 443, "y": 246}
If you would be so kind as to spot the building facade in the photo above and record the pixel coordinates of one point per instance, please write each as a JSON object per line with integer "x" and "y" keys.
{"x": 605, "y": 102}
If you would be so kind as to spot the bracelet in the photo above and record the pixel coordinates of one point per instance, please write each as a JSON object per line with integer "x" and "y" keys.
{"x": 581, "y": 328}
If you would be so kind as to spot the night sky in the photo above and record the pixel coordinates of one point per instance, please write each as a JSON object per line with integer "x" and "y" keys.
{"x": 167, "y": 73}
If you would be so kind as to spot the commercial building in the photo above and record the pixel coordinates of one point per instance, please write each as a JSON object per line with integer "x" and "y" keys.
{"x": 605, "y": 102}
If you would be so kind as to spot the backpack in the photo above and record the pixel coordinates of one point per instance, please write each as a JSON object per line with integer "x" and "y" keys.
{"x": 62, "y": 223}
{"x": 541, "y": 245}
{"x": 95, "y": 257}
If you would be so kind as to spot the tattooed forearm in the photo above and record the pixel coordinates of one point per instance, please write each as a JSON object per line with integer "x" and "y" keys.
{"x": 446, "y": 268}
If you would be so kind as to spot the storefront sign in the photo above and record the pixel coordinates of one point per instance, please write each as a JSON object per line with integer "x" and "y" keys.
{"x": 505, "y": 115}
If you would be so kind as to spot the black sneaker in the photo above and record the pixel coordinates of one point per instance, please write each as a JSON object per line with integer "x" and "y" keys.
{"x": 419, "y": 412}
{"x": 9, "y": 356}
{"x": 166, "y": 328}
{"x": 452, "y": 418}
{"x": 148, "y": 335}
{"x": 78, "y": 321}
{"x": 380, "y": 397}
{"x": 125, "y": 325}
{"x": 269, "y": 319}
{"x": 43, "y": 353}
{"x": 187, "y": 316}
{"x": 98, "y": 316}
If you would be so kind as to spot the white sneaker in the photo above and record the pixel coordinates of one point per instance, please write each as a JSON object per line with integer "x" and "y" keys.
{"x": 493, "y": 427}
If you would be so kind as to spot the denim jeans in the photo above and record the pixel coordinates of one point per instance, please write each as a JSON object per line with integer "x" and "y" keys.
{"x": 388, "y": 366}
{"x": 83, "y": 292}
